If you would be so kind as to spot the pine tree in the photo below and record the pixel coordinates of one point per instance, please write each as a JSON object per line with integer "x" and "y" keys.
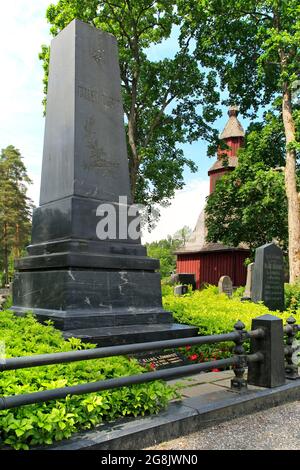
{"x": 15, "y": 208}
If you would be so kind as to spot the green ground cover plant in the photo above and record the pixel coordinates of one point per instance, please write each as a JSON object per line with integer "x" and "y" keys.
{"x": 214, "y": 313}
{"x": 44, "y": 423}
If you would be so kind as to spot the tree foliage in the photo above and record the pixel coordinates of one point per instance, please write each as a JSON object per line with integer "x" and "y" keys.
{"x": 249, "y": 204}
{"x": 166, "y": 102}
{"x": 183, "y": 234}
{"x": 164, "y": 250}
{"x": 254, "y": 46}
{"x": 15, "y": 207}
{"x": 244, "y": 40}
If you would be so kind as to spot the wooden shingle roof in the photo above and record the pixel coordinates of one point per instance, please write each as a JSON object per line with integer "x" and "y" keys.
{"x": 233, "y": 127}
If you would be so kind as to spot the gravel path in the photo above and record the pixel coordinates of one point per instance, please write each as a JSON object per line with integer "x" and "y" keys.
{"x": 275, "y": 428}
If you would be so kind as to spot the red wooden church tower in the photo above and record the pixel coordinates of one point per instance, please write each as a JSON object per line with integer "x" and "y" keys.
{"x": 209, "y": 261}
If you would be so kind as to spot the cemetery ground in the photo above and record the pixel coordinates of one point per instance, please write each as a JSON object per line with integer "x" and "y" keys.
{"x": 48, "y": 423}
{"x": 272, "y": 429}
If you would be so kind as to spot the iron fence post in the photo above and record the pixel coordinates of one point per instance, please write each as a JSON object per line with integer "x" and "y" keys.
{"x": 291, "y": 370}
{"x": 269, "y": 372}
{"x": 239, "y": 383}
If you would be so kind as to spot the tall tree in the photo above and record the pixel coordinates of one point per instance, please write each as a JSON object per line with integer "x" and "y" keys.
{"x": 182, "y": 235}
{"x": 249, "y": 204}
{"x": 15, "y": 207}
{"x": 254, "y": 45}
{"x": 166, "y": 102}
{"x": 164, "y": 251}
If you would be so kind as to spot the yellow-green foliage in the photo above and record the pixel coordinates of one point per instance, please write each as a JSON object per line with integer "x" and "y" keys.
{"x": 214, "y": 313}
{"x": 44, "y": 423}
{"x": 292, "y": 295}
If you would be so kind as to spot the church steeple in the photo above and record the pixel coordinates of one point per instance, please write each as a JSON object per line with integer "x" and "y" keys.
{"x": 233, "y": 135}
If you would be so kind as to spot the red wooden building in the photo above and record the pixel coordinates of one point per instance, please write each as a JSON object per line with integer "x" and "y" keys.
{"x": 209, "y": 261}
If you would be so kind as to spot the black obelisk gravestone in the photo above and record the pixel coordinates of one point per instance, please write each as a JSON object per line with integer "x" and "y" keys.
{"x": 102, "y": 290}
{"x": 268, "y": 277}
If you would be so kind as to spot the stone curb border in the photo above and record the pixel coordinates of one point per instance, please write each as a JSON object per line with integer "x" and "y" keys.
{"x": 181, "y": 418}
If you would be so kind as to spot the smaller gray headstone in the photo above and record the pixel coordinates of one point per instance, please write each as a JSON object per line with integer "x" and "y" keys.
{"x": 180, "y": 290}
{"x": 268, "y": 277}
{"x": 184, "y": 278}
{"x": 248, "y": 288}
{"x": 225, "y": 285}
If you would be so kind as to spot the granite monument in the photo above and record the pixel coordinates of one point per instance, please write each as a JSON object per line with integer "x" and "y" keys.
{"x": 268, "y": 277}
{"x": 101, "y": 290}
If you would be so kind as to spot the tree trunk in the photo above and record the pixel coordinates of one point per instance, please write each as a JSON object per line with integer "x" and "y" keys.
{"x": 134, "y": 160}
{"x": 132, "y": 130}
{"x": 291, "y": 188}
{"x": 5, "y": 254}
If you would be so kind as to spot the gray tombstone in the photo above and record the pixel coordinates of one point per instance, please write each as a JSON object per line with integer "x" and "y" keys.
{"x": 181, "y": 289}
{"x": 268, "y": 277}
{"x": 225, "y": 285}
{"x": 184, "y": 278}
{"x": 102, "y": 290}
{"x": 248, "y": 288}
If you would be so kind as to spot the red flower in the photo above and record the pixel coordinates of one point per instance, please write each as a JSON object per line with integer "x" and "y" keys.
{"x": 152, "y": 365}
{"x": 188, "y": 348}
{"x": 193, "y": 357}
{"x": 215, "y": 370}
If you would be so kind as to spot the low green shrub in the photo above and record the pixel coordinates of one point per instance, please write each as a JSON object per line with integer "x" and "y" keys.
{"x": 44, "y": 423}
{"x": 7, "y": 303}
{"x": 239, "y": 292}
{"x": 213, "y": 313}
{"x": 292, "y": 296}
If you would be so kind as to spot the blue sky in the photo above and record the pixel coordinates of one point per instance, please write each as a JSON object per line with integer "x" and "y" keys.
{"x": 22, "y": 31}
{"x": 23, "y": 28}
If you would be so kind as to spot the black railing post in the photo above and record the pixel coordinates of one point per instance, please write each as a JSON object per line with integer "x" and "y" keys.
{"x": 291, "y": 370}
{"x": 269, "y": 372}
{"x": 239, "y": 383}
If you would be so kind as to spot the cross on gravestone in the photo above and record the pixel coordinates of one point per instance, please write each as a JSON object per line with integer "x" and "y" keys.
{"x": 248, "y": 288}
{"x": 225, "y": 285}
{"x": 268, "y": 277}
{"x": 105, "y": 291}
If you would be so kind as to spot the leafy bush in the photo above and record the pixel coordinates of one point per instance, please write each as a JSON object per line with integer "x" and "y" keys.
{"x": 8, "y": 303}
{"x": 44, "y": 423}
{"x": 239, "y": 292}
{"x": 292, "y": 296}
{"x": 213, "y": 313}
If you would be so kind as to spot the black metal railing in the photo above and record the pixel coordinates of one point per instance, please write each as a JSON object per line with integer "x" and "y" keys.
{"x": 291, "y": 330}
{"x": 264, "y": 362}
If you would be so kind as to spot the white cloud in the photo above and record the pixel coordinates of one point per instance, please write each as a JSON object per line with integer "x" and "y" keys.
{"x": 184, "y": 210}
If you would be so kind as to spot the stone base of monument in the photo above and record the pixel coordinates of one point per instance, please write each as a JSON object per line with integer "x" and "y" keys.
{"x": 104, "y": 292}
{"x": 130, "y": 334}
{"x": 103, "y": 298}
